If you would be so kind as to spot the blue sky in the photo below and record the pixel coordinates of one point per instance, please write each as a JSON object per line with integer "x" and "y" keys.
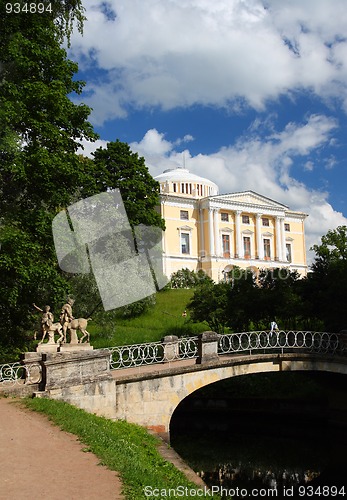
{"x": 249, "y": 93}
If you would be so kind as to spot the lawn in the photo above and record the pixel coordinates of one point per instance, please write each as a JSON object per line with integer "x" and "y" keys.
{"x": 165, "y": 318}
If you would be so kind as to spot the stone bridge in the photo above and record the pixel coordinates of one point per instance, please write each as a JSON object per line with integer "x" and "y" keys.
{"x": 151, "y": 380}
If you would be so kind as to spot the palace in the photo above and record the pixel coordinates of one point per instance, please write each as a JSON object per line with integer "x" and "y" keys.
{"x": 214, "y": 232}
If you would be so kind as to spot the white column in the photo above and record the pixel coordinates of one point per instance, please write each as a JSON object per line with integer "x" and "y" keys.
{"x": 278, "y": 239}
{"x": 283, "y": 241}
{"x": 202, "y": 251}
{"x": 216, "y": 233}
{"x": 239, "y": 246}
{"x": 210, "y": 231}
{"x": 164, "y": 234}
{"x": 260, "y": 251}
{"x": 163, "y": 242}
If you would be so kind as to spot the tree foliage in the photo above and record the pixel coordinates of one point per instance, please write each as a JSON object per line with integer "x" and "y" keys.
{"x": 41, "y": 129}
{"x": 185, "y": 278}
{"x": 116, "y": 166}
{"x": 325, "y": 289}
{"x": 247, "y": 300}
{"x": 279, "y": 297}
{"x": 333, "y": 247}
{"x": 209, "y": 303}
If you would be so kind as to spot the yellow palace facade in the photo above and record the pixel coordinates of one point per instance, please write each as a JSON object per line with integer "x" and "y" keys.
{"x": 213, "y": 232}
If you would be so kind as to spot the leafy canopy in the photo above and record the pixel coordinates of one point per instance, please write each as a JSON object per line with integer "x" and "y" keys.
{"x": 117, "y": 166}
{"x": 326, "y": 286}
{"x": 41, "y": 129}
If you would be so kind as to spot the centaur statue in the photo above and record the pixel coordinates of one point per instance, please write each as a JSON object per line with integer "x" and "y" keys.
{"x": 66, "y": 323}
{"x": 48, "y": 325}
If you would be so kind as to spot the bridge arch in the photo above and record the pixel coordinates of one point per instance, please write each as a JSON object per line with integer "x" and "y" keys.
{"x": 150, "y": 400}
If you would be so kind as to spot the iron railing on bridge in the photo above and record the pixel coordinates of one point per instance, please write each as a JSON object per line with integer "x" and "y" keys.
{"x": 16, "y": 373}
{"x": 244, "y": 342}
{"x": 153, "y": 352}
{"x": 253, "y": 342}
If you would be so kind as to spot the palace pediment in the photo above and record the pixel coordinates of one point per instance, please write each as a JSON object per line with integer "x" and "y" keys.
{"x": 248, "y": 198}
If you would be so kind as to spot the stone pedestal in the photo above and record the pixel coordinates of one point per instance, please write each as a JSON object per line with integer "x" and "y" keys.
{"x": 171, "y": 348}
{"x": 75, "y": 347}
{"x": 343, "y": 340}
{"x": 207, "y": 347}
{"x": 81, "y": 378}
{"x": 63, "y": 369}
{"x": 47, "y": 348}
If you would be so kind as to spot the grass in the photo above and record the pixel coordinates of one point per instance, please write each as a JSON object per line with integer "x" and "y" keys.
{"x": 165, "y": 318}
{"x": 126, "y": 448}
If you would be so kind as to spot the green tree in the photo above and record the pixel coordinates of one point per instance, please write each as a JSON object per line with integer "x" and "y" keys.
{"x": 209, "y": 303}
{"x": 333, "y": 247}
{"x": 241, "y": 310}
{"x": 185, "y": 278}
{"x": 279, "y": 297}
{"x": 117, "y": 166}
{"x": 40, "y": 132}
{"x": 325, "y": 289}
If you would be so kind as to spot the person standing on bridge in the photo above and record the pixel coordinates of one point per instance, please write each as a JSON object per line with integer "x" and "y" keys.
{"x": 273, "y": 328}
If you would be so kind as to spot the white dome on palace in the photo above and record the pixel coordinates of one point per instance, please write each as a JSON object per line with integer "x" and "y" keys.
{"x": 179, "y": 181}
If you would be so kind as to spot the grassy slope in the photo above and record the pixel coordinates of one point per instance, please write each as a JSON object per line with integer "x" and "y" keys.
{"x": 123, "y": 447}
{"x": 165, "y": 318}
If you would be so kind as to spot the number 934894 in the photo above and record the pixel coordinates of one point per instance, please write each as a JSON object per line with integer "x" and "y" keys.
{"x": 28, "y": 8}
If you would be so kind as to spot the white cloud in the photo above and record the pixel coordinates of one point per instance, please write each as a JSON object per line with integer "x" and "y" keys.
{"x": 154, "y": 143}
{"x": 309, "y": 166}
{"x": 89, "y": 147}
{"x": 171, "y": 53}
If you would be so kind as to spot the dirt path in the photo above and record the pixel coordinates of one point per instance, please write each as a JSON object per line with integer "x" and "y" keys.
{"x": 39, "y": 461}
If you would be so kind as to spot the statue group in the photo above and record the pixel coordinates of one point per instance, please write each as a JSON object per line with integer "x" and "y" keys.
{"x": 67, "y": 325}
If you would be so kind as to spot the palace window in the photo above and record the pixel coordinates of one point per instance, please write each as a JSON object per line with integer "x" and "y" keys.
{"x": 226, "y": 245}
{"x": 287, "y": 227}
{"x": 224, "y": 217}
{"x": 289, "y": 252}
{"x": 267, "y": 249}
{"x": 245, "y": 219}
{"x": 186, "y": 188}
{"x": 185, "y": 247}
{"x": 247, "y": 246}
{"x": 266, "y": 221}
{"x": 174, "y": 187}
{"x": 184, "y": 215}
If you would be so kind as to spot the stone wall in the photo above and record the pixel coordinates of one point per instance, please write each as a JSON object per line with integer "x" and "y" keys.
{"x": 81, "y": 378}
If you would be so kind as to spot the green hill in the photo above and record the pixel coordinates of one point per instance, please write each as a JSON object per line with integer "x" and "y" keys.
{"x": 164, "y": 318}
